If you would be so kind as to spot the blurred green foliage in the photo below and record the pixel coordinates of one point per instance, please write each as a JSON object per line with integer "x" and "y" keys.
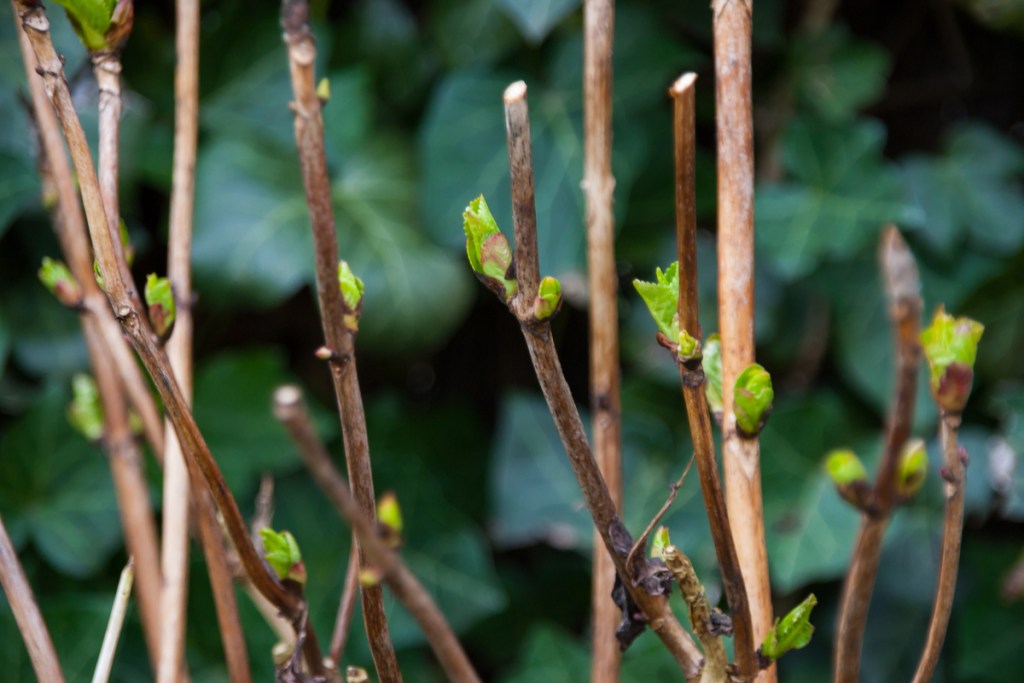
{"x": 494, "y": 522}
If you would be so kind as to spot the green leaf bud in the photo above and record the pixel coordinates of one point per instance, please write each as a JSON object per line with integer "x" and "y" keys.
{"x": 912, "y": 468}
{"x": 389, "y": 518}
{"x": 85, "y": 412}
{"x": 369, "y": 577}
{"x": 355, "y": 674}
{"x": 712, "y": 364}
{"x": 90, "y": 19}
{"x": 352, "y": 289}
{"x": 752, "y": 398}
{"x": 548, "y": 299}
{"x": 689, "y": 348}
{"x": 792, "y": 632}
{"x": 160, "y": 304}
{"x": 126, "y": 245}
{"x": 850, "y": 477}
{"x": 323, "y": 90}
{"x": 660, "y": 541}
{"x": 951, "y": 346}
{"x": 283, "y": 555}
{"x": 56, "y": 277}
{"x": 662, "y": 299}
{"x": 487, "y": 249}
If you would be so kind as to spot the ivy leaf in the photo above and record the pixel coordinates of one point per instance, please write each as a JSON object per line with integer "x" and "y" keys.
{"x": 56, "y": 491}
{"x": 840, "y": 193}
{"x": 536, "y": 18}
{"x": 809, "y": 529}
{"x": 973, "y": 189}
{"x": 836, "y": 74}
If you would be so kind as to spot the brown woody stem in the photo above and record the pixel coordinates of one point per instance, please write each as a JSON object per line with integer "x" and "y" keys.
{"x": 741, "y": 456}
{"x": 346, "y": 607}
{"x": 26, "y": 613}
{"x": 197, "y": 453}
{"x": 556, "y": 391}
{"x": 903, "y": 287}
{"x": 289, "y": 409}
{"x": 692, "y": 376}
{"x": 955, "y": 474}
{"x": 605, "y": 402}
{"x": 309, "y": 139}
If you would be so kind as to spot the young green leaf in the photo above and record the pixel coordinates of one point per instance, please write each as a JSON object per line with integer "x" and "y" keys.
{"x": 659, "y": 542}
{"x": 323, "y": 90}
{"x": 951, "y": 346}
{"x": 389, "y": 518}
{"x": 56, "y": 277}
{"x": 85, "y": 413}
{"x": 160, "y": 304}
{"x": 792, "y": 632}
{"x": 912, "y": 468}
{"x": 283, "y": 555}
{"x": 752, "y": 398}
{"x": 548, "y": 300}
{"x": 91, "y": 19}
{"x": 712, "y": 364}
{"x": 489, "y": 253}
{"x": 662, "y": 299}
{"x": 689, "y": 348}
{"x": 351, "y": 291}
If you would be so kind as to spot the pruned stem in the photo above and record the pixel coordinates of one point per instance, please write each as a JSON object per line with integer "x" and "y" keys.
{"x": 106, "y": 355}
{"x": 309, "y": 139}
{"x": 289, "y": 409}
{"x": 716, "y": 660}
{"x": 741, "y": 456}
{"x": 955, "y": 474}
{"x": 556, "y": 391}
{"x": 692, "y": 376}
{"x": 26, "y": 613}
{"x": 105, "y": 662}
{"x": 903, "y": 287}
{"x": 605, "y": 402}
{"x": 197, "y": 453}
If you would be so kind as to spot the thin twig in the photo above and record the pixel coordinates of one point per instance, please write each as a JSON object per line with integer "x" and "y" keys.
{"x": 309, "y": 139}
{"x": 605, "y": 402}
{"x": 955, "y": 474}
{"x": 290, "y": 410}
{"x": 125, "y": 462}
{"x": 556, "y": 391}
{"x": 903, "y": 287}
{"x": 346, "y": 607}
{"x": 26, "y": 613}
{"x": 105, "y": 662}
{"x": 34, "y": 22}
{"x": 741, "y": 456}
{"x": 692, "y": 375}
{"x": 716, "y": 661}
{"x": 641, "y": 541}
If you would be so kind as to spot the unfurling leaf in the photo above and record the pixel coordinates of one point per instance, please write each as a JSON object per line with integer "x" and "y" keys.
{"x": 352, "y": 294}
{"x": 548, "y": 300}
{"x": 662, "y": 299}
{"x": 660, "y": 541}
{"x": 323, "y": 90}
{"x": 712, "y": 364}
{"x": 283, "y": 555}
{"x": 85, "y": 413}
{"x": 850, "y": 477}
{"x": 689, "y": 348}
{"x": 56, "y": 277}
{"x": 752, "y": 398}
{"x": 951, "y": 346}
{"x": 792, "y": 632}
{"x": 389, "y": 518}
{"x": 489, "y": 253}
{"x": 91, "y": 19}
{"x": 160, "y": 304}
{"x": 912, "y": 468}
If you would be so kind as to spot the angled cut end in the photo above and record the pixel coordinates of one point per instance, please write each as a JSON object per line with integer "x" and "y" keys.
{"x": 682, "y": 84}
{"x": 515, "y": 92}
{"x": 286, "y": 397}
{"x": 899, "y": 270}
